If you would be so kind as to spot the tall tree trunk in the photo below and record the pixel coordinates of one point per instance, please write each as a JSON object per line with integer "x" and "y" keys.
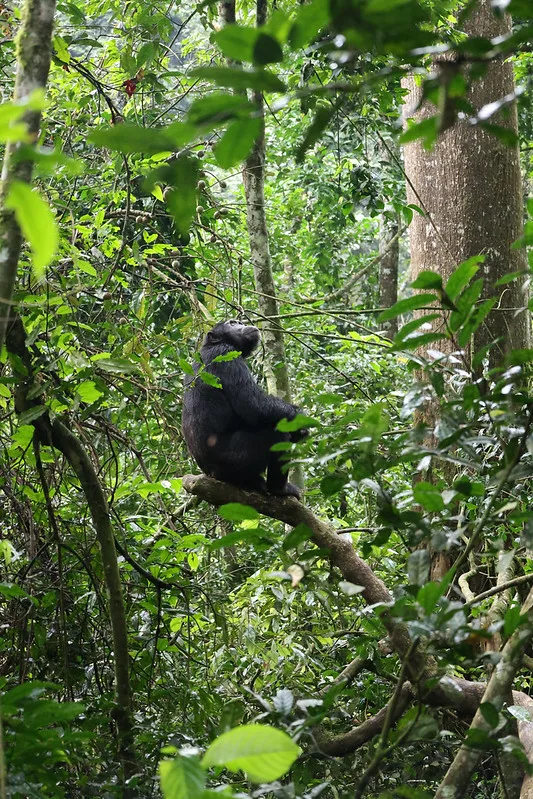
{"x": 34, "y": 50}
{"x": 469, "y": 186}
{"x": 275, "y": 364}
{"x": 276, "y": 372}
{"x": 389, "y": 250}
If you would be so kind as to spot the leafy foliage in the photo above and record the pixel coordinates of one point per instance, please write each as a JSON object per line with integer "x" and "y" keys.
{"x": 237, "y": 627}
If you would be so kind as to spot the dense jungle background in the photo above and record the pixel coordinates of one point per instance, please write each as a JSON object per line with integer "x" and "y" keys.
{"x": 351, "y": 176}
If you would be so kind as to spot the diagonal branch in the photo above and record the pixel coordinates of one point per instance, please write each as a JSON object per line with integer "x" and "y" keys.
{"x": 341, "y": 553}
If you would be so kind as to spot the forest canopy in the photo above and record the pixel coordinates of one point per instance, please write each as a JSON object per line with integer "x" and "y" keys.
{"x": 352, "y": 178}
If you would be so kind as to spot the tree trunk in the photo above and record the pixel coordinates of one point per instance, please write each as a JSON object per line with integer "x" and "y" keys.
{"x": 389, "y": 250}
{"x": 34, "y": 50}
{"x": 469, "y": 186}
{"x": 275, "y": 363}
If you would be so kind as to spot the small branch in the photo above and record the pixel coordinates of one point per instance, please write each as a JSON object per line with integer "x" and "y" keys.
{"x": 524, "y": 579}
{"x": 358, "y": 275}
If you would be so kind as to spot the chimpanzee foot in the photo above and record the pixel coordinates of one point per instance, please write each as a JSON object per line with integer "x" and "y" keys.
{"x": 288, "y": 490}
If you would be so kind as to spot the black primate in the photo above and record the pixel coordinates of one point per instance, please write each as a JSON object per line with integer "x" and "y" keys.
{"x": 230, "y": 431}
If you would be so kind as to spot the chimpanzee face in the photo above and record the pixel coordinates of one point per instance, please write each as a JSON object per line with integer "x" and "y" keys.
{"x": 243, "y": 338}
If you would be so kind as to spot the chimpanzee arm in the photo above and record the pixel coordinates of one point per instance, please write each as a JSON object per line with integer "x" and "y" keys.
{"x": 247, "y": 399}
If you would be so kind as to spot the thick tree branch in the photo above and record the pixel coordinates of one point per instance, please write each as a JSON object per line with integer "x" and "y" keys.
{"x": 341, "y": 553}
{"x": 460, "y": 694}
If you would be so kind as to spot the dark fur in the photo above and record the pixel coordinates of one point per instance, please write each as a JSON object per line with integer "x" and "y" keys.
{"x": 230, "y": 431}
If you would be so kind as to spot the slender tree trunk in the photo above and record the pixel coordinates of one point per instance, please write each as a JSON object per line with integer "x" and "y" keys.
{"x": 34, "y": 50}
{"x": 389, "y": 250}
{"x": 469, "y": 186}
{"x": 275, "y": 363}
{"x": 276, "y": 372}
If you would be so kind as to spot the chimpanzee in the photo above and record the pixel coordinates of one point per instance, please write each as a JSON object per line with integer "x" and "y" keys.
{"x": 230, "y": 430}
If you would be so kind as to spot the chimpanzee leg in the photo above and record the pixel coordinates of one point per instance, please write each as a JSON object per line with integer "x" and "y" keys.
{"x": 242, "y": 457}
{"x": 277, "y": 476}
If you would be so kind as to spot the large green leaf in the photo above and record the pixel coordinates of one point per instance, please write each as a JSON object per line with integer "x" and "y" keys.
{"x": 407, "y": 305}
{"x": 36, "y": 221}
{"x": 235, "y": 512}
{"x": 260, "y": 80}
{"x": 263, "y": 753}
{"x": 182, "y": 778}
{"x": 217, "y": 108}
{"x": 461, "y": 276}
{"x": 128, "y": 138}
{"x": 237, "y": 42}
{"x": 181, "y": 199}
{"x": 237, "y": 141}
{"x": 308, "y": 21}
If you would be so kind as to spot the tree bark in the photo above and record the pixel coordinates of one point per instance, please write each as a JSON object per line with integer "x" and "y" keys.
{"x": 389, "y": 250}
{"x": 33, "y": 64}
{"x": 275, "y": 363}
{"x": 469, "y": 186}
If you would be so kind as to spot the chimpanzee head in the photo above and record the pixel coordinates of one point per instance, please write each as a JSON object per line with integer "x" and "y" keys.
{"x": 235, "y": 335}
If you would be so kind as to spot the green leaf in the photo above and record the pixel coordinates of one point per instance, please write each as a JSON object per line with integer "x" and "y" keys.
{"x": 182, "y": 778}
{"x": 427, "y": 280}
{"x": 478, "y": 317}
{"x": 407, "y": 305}
{"x": 217, "y": 108}
{"x": 88, "y": 392}
{"x": 237, "y": 42}
{"x": 209, "y": 379}
{"x": 418, "y": 565}
{"x": 181, "y": 200}
{"x": 267, "y": 50}
{"x": 490, "y": 714}
{"x": 237, "y": 141}
{"x": 31, "y": 414}
{"x": 235, "y": 512}
{"x": 429, "y": 595}
{"x": 299, "y": 422}
{"x": 186, "y": 367}
{"x": 519, "y": 357}
{"x": 261, "y": 80}
{"x": 36, "y": 221}
{"x": 308, "y": 22}
{"x": 409, "y": 327}
{"x": 263, "y": 753}
{"x": 427, "y": 130}
{"x": 23, "y": 435}
{"x": 297, "y": 536}
{"x": 227, "y": 356}
{"x": 322, "y": 117}
{"x": 510, "y": 277}
{"x": 428, "y": 495}
{"x": 117, "y": 366}
{"x": 506, "y": 135}
{"x": 511, "y": 620}
{"x": 12, "y": 591}
{"x": 128, "y": 138}
{"x": 461, "y": 276}
{"x": 12, "y": 128}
